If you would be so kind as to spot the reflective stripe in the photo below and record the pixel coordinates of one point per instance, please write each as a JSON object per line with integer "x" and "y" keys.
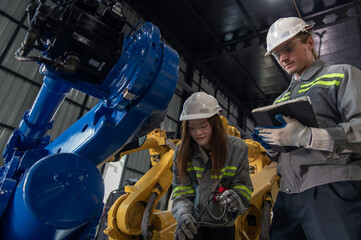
{"x": 199, "y": 171}
{"x": 339, "y": 75}
{"x": 225, "y": 172}
{"x": 317, "y": 81}
{"x": 285, "y": 97}
{"x": 325, "y": 83}
{"x": 181, "y": 190}
{"x": 232, "y": 168}
{"x": 182, "y": 193}
{"x": 229, "y": 174}
{"x": 216, "y": 176}
{"x": 245, "y": 191}
{"x": 228, "y": 168}
{"x": 195, "y": 168}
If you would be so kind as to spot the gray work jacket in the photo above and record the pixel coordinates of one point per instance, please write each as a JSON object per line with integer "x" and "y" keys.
{"x": 192, "y": 195}
{"x": 335, "y": 93}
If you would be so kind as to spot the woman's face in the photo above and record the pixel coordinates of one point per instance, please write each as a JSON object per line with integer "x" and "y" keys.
{"x": 201, "y": 132}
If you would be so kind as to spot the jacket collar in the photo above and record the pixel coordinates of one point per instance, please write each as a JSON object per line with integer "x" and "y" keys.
{"x": 199, "y": 155}
{"x": 311, "y": 70}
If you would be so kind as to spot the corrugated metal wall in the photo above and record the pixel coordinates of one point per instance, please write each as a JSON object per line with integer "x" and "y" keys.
{"x": 21, "y": 81}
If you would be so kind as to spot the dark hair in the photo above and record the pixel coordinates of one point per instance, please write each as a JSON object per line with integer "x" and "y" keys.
{"x": 218, "y": 143}
{"x": 304, "y": 36}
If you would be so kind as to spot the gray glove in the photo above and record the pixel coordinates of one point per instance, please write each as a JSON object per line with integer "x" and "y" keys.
{"x": 232, "y": 201}
{"x": 186, "y": 228}
{"x": 292, "y": 134}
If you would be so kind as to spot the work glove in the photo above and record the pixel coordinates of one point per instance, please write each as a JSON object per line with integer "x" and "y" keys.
{"x": 232, "y": 201}
{"x": 186, "y": 228}
{"x": 256, "y": 137}
{"x": 291, "y": 133}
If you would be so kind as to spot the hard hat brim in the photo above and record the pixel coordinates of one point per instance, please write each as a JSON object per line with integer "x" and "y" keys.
{"x": 195, "y": 116}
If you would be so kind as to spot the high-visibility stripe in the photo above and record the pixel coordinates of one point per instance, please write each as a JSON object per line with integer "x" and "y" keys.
{"x": 231, "y": 167}
{"x": 199, "y": 171}
{"x": 245, "y": 191}
{"x": 229, "y": 174}
{"x": 285, "y": 97}
{"x": 333, "y": 75}
{"x": 183, "y": 193}
{"x": 225, "y": 172}
{"x": 181, "y": 190}
{"x": 228, "y": 167}
{"x": 325, "y": 83}
{"x": 195, "y": 168}
{"x": 331, "y": 82}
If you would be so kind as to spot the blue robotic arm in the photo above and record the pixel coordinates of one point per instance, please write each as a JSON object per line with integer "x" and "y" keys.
{"x": 53, "y": 190}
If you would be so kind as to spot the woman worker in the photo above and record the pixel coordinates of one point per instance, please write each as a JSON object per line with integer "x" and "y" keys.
{"x": 207, "y": 161}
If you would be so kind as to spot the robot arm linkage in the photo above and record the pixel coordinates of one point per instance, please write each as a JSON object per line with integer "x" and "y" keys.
{"x": 53, "y": 190}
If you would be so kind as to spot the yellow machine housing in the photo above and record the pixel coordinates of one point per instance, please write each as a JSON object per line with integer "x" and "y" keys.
{"x": 137, "y": 205}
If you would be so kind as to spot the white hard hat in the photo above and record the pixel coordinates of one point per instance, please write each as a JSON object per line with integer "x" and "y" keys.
{"x": 199, "y": 105}
{"x": 284, "y": 29}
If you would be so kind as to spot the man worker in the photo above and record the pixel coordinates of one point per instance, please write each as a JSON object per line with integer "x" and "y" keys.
{"x": 320, "y": 184}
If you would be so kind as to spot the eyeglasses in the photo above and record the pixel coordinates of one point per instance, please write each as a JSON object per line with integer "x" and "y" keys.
{"x": 202, "y": 127}
{"x": 287, "y": 48}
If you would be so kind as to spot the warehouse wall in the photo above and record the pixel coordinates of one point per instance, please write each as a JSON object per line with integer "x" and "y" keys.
{"x": 21, "y": 81}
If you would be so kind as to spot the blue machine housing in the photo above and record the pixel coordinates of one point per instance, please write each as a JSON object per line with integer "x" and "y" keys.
{"x": 53, "y": 190}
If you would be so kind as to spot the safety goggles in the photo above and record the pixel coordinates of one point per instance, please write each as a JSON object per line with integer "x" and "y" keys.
{"x": 202, "y": 127}
{"x": 287, "y": 48}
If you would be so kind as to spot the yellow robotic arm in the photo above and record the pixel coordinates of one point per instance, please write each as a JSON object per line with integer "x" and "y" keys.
{"x": 134, "y": 214}
{"x": 130, "y": 215}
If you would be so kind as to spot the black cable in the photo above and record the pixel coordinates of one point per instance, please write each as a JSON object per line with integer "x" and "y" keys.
{"x": 215, "y": 193}
{"x": 210, "y": 198}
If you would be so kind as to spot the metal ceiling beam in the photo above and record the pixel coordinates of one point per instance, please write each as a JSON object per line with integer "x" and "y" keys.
{"x": 238, "y": 64}
{"x": 214, "y": 35}
{"x": 144, "y": 10}
{"x": 245, "y": 13}
{"x": 166, "y": 33}
{"x": 244, "y": 72}
{"x": 231, "y": 46}
{"x": 257, "y": 34}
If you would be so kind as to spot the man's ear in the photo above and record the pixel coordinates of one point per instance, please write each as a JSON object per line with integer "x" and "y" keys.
{"x": 310, "y": 43}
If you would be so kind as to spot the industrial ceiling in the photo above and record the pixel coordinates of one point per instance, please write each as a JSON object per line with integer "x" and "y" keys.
{"x": 226, "y": 39}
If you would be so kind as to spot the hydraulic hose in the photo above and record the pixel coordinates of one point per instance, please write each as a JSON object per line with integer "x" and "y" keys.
{"x": 146, "y": 231}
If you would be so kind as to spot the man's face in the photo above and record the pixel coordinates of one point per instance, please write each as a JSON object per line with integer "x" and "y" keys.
{"x": 294, "y": 56}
